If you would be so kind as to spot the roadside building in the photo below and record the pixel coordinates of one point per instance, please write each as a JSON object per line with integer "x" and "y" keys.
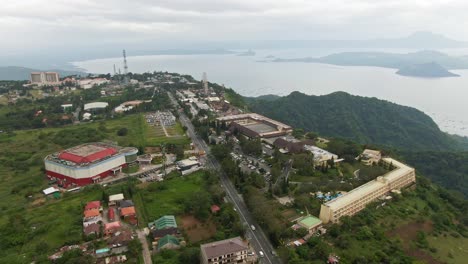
{"x": 311, "y": 223}
{"x": 233, "y": 250}
{"x": 187, "y": 163}
{"x": 255, "y": 126}
{"x": 357, "y": 199}
{"x": 87, "y": 163}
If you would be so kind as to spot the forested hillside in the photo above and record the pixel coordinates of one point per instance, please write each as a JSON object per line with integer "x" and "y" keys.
{"x": 448, "y": 169}
{"x": 362, "y": 119}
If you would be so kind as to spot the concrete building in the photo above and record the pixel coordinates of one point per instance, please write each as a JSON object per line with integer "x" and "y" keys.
{"x": 320, "y": 155}
{"x": 87, "y": 163}
{"x": 370, "y": 156}
{"x": 187, "y": 163}
{"x": 45, "y": 78}
{"x": 90, "y": 83}
{"x": 357, "y": 199}
{"x": 311, "y": 223}
{"x": 255, "y": 126}
{"x": 95, "y": 106}
{"x": 233, "y": 250}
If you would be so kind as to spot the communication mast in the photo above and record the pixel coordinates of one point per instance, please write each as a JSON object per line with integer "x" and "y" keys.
{"x": 125, "y": 68}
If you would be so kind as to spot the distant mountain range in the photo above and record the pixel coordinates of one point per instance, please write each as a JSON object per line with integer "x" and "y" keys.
{"x": 362, "y": 119}
{"x": 430, "y": 63}
{"x": 418, "y": 40}
{"x": 428, "y": 70}
{"x": 14, "y": 73}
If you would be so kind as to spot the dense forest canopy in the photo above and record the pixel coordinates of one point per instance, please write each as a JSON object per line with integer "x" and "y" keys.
{"x": 365, "y": 120}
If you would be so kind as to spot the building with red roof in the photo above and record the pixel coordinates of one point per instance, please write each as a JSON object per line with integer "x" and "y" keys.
{"x": 215, "y": 208}
{"x": 91, "y": 213}
{"x": 87, "y": 163}
{"x": 127, "y": 211}
{"x": 93, "y": 205}
{"x": 112, "y": 227}
{"x": 111, "y": 214}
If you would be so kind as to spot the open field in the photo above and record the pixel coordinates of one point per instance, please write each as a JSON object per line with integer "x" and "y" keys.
{"x": 155, "y": 136}
{"x": 163, "y": 198}
{"x": 450, "y": 249}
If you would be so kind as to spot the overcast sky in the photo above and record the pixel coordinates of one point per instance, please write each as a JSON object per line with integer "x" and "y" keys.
{"x": 49, "y": 24}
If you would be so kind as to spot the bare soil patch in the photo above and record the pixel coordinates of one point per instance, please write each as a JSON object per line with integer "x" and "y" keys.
{"x": 196, "y": 230}
{"x": 408, "y": 233}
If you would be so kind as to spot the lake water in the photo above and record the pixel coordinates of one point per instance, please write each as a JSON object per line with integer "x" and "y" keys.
{"x": 444, "y": 99}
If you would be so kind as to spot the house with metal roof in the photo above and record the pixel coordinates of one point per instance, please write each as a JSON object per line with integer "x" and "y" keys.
{"x": 168, "y": 242}
{"x": 164, "y": 222}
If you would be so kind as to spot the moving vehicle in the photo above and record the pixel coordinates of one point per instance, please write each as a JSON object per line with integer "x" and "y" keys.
{"x": 260, "y": 253}
{"x": 252, "y": 227}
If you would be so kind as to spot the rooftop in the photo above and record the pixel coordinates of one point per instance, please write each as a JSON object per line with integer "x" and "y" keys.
{"x": 166, "y": 221}
{"x": 127, "y": 211}
{"x": 116, "y": 197}
{"x": 87, "y": 154}
{"x": 166, "y": 240}
{"x": 223, "y": 247}
{"x": 401, "y": 169}
{"x": 112, "y": 225}
{"x": 260, "y": 128}
{"x": 309, "y": 222}
{"x": 93, "y": 205}
{"x": 91, "y": 213}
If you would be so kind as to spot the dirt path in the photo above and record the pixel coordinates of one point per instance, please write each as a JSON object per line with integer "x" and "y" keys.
{"x": 144, "y": 243}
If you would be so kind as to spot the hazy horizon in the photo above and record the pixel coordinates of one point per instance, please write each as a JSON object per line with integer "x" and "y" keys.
{"x": 59, "y": 31}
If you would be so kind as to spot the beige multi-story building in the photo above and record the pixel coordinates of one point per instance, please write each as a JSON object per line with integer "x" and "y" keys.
{"x": 233, "y": 250}
{"x": 45, "y": 78}
{"x": 357, "y": 199}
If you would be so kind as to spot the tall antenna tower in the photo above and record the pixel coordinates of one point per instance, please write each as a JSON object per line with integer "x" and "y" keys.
{"x": 125, "y": 67}
{"x": 205, "y": 83}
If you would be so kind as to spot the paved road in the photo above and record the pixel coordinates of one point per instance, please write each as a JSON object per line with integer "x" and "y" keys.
{"x": 258, "y": 239}
{"x": 144, "y": 243}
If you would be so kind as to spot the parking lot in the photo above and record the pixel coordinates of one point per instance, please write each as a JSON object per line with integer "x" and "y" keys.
{"x": 249, "y": 164}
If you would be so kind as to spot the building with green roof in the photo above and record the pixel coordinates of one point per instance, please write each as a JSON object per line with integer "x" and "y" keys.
{"x": 310, "y": 223}
{"x": 168, "y": 242}
{"x": 164, "y": 222}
